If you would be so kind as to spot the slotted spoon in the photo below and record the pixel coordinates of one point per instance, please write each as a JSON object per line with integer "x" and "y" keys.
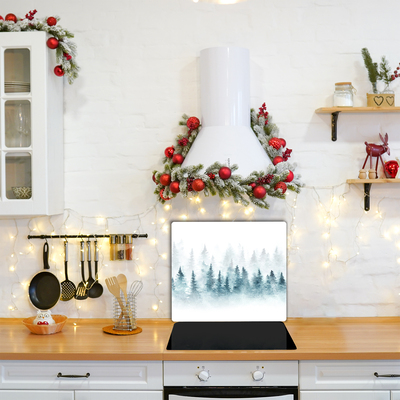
{"x": 68, "y": 288}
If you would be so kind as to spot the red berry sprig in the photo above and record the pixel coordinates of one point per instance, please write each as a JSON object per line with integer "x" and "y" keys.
{"x": 263, "y": 113}
{"x": 265, "y": 180}
{"x": 396, "y": 73}
{"x": 189, "y": 184}
{"x": 31, "y": 15}
{"x": 286, "y": 154}
{"x": 183, "y": 142}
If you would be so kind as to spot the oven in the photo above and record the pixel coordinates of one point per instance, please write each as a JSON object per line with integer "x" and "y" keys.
{"x": 199, "y": 380}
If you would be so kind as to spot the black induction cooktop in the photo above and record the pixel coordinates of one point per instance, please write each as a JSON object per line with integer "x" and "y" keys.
{"x": 230, "y": 336}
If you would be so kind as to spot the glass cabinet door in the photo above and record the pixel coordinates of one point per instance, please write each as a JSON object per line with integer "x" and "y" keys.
{"x": 31, "y": 126}
{"x": 16, "y": 132}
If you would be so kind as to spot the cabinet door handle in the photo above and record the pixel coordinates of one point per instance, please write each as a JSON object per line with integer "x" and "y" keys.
{"x": 386, "y": 376}
{"x": 60, "y": 375}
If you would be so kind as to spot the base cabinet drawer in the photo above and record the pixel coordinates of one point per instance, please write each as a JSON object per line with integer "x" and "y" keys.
{"x": 83, "y": 375}
{"x": 36, "y": 395}
{"x": 349, "y": 375}
{"x": 345, "y": 395}
{"x": 118, "y": 395}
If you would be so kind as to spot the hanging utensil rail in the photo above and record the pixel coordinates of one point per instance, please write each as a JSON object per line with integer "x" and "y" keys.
{"x": 134, "y": 236}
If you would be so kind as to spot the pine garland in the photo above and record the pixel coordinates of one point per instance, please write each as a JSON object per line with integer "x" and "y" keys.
{"x": 237, "y": 187}
{"x": 65, "y": 46}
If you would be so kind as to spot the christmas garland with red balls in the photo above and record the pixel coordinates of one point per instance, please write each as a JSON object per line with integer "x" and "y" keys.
{"x": 60, "y": 40}
{"x": 220, "y": 178}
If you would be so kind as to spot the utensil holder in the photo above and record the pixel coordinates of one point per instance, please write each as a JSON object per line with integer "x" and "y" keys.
{"x": 125, "y": 318}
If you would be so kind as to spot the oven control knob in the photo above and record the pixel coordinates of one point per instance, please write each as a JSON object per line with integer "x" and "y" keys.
{"x": 257, "y": 375}
{"x": 204, "y": 375}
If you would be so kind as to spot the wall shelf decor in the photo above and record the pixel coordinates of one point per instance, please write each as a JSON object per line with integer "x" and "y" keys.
{"x": 31, "y": 127}
{"x": 335, "y": 111}
{"x": 367, "y": 187}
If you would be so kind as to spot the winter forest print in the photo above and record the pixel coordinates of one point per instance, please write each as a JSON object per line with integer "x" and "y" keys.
{"x": 228, "y": 271}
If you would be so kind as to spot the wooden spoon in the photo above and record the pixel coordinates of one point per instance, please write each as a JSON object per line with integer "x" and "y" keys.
{"x": 123, "y": 284}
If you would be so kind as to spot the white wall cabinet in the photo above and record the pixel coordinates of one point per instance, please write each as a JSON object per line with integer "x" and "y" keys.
{"x": 31, "y": 127}
{"x": 345, "y": 380}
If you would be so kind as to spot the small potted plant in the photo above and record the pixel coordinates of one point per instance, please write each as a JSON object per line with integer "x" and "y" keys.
{"x": 377, "y": 73}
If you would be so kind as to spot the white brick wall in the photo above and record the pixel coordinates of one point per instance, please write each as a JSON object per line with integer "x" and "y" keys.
{"x": 139, "y": 74}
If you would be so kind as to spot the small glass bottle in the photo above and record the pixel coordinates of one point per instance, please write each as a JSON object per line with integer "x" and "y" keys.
{"x": 113, "y": 247}
{"x": 120, "y": 247}
{"x": 128, "y": 247}
{"x": 343, "y": 95}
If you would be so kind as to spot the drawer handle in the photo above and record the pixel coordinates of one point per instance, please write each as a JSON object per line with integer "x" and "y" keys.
{"x": 386, "y": 376}
{"x": 60, "y": 375}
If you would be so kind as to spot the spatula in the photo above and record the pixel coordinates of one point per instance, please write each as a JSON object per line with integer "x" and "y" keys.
{"x": 68, "y": 288}
{"x": 115, "y": 290}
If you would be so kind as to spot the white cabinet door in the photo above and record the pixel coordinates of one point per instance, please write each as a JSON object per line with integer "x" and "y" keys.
{"x": 31, "y": 127}
{"x": 35, "y": 395}
{"x": 345, "y": 395}
{"x": 395, "y": 395}
{"x": 118, "y": 395}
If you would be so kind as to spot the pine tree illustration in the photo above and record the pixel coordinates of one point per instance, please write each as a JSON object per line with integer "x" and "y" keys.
{"x": 245, "y": 281}
{"x": 227, "y": 288}
{"x": 220, "y": 285}
{"x": 281, "y": 283}
{"x": 194, "y": 292}
{"x": 237, "y": 286}
{"x": 210, "y": 280}
{"x": 257, "y": 283}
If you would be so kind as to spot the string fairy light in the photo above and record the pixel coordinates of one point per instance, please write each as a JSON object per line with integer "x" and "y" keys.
{"x": 147, "y": 265}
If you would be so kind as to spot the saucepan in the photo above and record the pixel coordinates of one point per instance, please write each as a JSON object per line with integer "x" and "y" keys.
{"x": 45, "y": 288}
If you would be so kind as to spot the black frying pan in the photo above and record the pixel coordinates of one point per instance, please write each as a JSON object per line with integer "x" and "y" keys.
{"x": 45, "y": 288}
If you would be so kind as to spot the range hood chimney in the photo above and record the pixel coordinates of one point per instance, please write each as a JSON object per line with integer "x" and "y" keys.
{"x": 226, "y": 135}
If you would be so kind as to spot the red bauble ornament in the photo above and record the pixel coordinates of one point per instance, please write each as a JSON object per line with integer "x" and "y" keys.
{"x": 51, "y": 21}
{"x": 52, "y": 43}
{"x": 67, "y": 56}
{"x": 193, "y": 123}
{"x": 275, "y": 143}
{"x": 225, "y": 173}
{"x": 283, "y": 142}
{"x": 11, "y": 17}
{"x": 177, "y": 159}
{"x": 174, "y": 187}
{"x": 391, "y": 168}
{"x": 289, "y": 177}
{"x": 169, "y": 151}
{"x": 277, "y": 160}
{"x": 198, "y": 185}
{"x": 253, "y": 185}
{"x": 259, "y": 192}
{"x": 161, "y": 195}
{"x": 154, "y": 179}
{"x": 1, "y": 18}
{"x": 165, "y": 179}
{"x": 281, "y": 185}
{"x": 58, "y": 70}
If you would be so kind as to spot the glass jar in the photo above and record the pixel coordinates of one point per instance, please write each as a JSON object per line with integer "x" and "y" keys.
{"x": 343, "y": 95}
{"x": 128, "y": 247}
{"x": 120, "y": 247}
{"x": 113, "y": 247}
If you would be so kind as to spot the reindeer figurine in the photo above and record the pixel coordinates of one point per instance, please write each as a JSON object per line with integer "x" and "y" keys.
{"x": 376, "y": 150}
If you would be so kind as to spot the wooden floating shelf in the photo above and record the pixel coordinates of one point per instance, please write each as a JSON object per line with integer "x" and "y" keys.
{"x": 335, "y": 111}
{"x": 379, "y": 180}
{"x": 330, "y": 110}
{"x": 367, "y": 187}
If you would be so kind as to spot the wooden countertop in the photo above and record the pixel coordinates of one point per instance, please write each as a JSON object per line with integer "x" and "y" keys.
{"x": 315, "y": 338}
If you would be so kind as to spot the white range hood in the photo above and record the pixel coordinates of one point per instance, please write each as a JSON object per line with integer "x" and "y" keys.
{"x": 226, "y": 135}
